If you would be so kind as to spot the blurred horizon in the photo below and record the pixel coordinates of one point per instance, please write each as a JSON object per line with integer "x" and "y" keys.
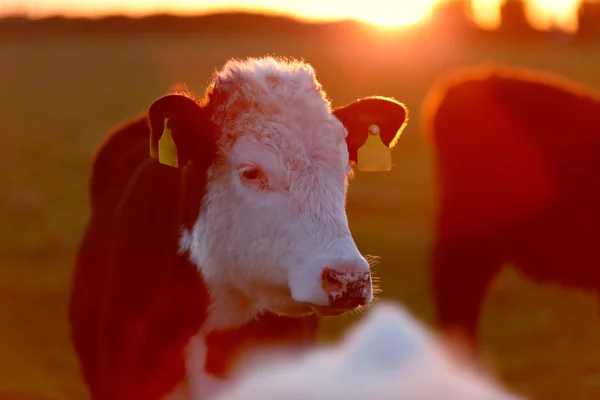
{"x": 541, "y": 14}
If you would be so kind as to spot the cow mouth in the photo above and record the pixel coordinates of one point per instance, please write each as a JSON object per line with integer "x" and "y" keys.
{"x": 325, "y": 311}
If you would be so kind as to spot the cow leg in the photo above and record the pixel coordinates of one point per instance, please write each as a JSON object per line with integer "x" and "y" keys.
{"x": 461, "y": 275}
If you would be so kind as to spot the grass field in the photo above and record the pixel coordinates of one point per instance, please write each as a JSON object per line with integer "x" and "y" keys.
{"x": 60, "y": 96}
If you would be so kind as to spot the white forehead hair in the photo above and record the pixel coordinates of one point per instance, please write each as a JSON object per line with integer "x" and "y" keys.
{"x": 278, "y": 101}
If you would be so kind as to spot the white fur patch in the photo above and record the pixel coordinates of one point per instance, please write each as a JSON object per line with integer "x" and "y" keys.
{"x": 389, "y": 355}
{"x": 201, "y": 386}
{"x": 198, "y": 385}
{"x": 185, "y": 241}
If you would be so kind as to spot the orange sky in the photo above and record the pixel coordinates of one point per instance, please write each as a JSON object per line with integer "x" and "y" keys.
{"x": 542, "y": 13}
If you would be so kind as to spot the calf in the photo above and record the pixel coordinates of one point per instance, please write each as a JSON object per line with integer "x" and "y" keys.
{"x": 218, "y": 227}
{"x": 518, "y": 155}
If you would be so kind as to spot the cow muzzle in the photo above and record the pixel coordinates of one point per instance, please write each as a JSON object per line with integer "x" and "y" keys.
{"x": 347, "y": 287}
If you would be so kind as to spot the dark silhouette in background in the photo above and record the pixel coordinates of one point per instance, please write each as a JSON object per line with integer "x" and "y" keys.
{"x": 452, "y": 18}
{"x": 449, "y": 17}
{"x": 514, "y": 20}
{"x": 516, "y": 152}
{"x": 589, "y": 20}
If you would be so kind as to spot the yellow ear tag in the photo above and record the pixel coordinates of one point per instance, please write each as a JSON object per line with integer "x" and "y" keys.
{"x": 167, "y": 151}
{"x": 374, "y": 156}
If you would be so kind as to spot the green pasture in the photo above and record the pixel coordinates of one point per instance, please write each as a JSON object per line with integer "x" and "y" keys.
{"x": 59, "y": 96}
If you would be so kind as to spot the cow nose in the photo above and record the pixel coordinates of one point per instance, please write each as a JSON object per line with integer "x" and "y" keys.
{"x": 347, "y": 285}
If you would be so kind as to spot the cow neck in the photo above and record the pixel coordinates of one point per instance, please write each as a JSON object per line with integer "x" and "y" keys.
{"x": 224, "y": 348}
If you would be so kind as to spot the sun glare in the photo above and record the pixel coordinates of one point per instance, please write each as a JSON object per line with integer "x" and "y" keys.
{"x": 386, "y": 13}
{"x": 562, "y": 13}
{"x": 542, "y": 14}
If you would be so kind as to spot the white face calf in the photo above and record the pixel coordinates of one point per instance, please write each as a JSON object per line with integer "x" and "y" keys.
{"x": 272, "y": 233}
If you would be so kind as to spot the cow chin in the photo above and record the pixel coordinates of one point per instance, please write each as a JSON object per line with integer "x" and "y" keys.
{"x": 293, "y": 310}
{"x": 296, "y": 309}
{"x": 332, "y": 311}
{"x": 288, "y": 307}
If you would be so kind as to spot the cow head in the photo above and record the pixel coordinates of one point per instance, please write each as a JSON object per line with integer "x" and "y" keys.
{"x": 270, "y": 229}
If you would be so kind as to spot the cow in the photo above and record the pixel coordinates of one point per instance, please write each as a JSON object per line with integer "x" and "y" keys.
{"x": 517, "y": 154}
{"x": 218, "y": 228}
{"x": 388, "y": 355}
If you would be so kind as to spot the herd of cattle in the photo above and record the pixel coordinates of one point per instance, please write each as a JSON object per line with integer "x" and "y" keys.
{"x": 218, "y": 235}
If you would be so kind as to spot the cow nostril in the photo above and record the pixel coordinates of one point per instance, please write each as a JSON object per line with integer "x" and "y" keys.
{"x": 331, "y": 282}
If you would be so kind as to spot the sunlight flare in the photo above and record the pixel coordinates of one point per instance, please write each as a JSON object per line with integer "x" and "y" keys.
{"x": 385, "y": 13}
{"x": 542, "y": 14}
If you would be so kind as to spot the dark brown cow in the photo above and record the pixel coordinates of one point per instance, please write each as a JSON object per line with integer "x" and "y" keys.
{"x": 217, "y": 227}
{"x": 518, "y": 161}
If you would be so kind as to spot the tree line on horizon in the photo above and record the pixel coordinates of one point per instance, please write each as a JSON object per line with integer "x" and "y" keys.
{"x": 451, "y": 15}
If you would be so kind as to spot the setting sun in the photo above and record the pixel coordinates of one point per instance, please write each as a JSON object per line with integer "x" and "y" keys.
{"x": 385, "y": 13}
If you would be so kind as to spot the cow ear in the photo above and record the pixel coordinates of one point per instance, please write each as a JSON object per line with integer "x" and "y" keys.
{"x": 180, "y": 130}
{"x": 374, "y": 125}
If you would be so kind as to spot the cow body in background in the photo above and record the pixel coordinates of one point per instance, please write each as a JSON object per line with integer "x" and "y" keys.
{"x": 217, "y": 228}
{"x": 518, "y": 155}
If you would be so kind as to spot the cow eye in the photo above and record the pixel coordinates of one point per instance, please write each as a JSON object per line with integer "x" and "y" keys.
{"x": 250, "y": 172}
